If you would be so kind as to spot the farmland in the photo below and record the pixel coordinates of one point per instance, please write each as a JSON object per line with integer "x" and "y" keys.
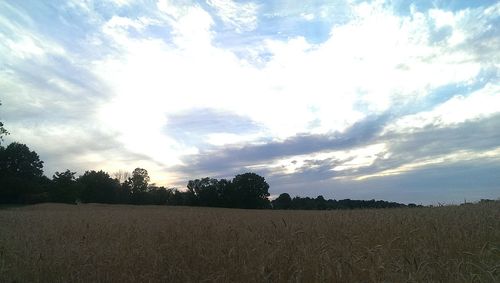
{"x": 125, "y": 243}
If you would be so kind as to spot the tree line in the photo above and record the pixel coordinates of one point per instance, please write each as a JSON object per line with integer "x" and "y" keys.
{"x": 284, "y": 201}
{"x": 22, "y": 182}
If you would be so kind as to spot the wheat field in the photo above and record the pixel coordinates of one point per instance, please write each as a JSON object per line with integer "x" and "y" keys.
{"x": 115, "y": 243}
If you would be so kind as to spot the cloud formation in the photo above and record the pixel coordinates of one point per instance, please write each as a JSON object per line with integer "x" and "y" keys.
{"x": 348, "y": 98}
{"x": 240, "y": 16}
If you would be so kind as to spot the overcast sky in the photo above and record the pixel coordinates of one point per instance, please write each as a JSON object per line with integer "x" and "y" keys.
{"x": 394, "y": 100}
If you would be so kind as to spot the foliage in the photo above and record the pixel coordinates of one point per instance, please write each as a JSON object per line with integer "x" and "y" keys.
{"x": 251, "y": 191}
{"x": 207, "y": 191}
{"x": 138, "y": 184}
{"x": 3, "y": 131}
{"x": 123, "y": 193}
{"x": 21, "y": 174}
{"x": 284, "y": 201}
{"x": 98, "y": 187}
{"x": 185, "y": 198}
{"x": 247, "y": 190}
{"x": 320, "y": 203}
{"x": 159, "y": 195}
{"x": 65, "y": 188}
{"x": 18, "y": 159}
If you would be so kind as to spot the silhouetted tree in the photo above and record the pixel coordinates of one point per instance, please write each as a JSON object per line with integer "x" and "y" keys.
{"x": 99, "y": 187}
{"x": 251, "y": 191}
{"x": 19, "y": 159}
{"x": 138, "y": 184}
{"x": 3, "y": 131}
{"x": 226, "y": 192}
{"x": 21, "y": 173}
{"x": 182, "y": 198}
{"x": 121, "y": 175}
{"x": 205, "y": 191}
{"x": 283, "y": 201}
{"x": 123, "y": 193}
{"x": 64, "y": 178}
{"x": 321, "y": 203}
{"x": 159, "y": 195}
{"x": 303, "y": 203}
{"x": 65, "y": 188}
{"x": 139, "y": 181}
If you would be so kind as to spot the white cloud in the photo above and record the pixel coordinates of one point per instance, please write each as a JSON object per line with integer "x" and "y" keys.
{"x": 363, "y": 157}
{"x": 304, "y": 87}
{"x": 446, "y": 159}
{"x": 458, "y": 109}
{"x": 307, "y": 16}
{"x": 352, "y": 160}
{"x": 240, "y": 16}
{"x": 121, "y": 3}
{"x": 18, "y": 43}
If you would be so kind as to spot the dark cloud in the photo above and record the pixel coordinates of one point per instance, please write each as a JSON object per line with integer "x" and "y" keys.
{"x": 230, "y": 158}
{"x": 430, "y": 142}
{"x": 317, "y": 177}
{"x": 475, "y": 135}
{"x": 446, "y": 182}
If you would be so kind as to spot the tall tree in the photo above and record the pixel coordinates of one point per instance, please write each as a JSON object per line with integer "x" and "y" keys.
{"x": 284, "y": 201}
{"x": 226, "y": 193}
{"x": 251, "y": 191}
{"x": 98, "y": 186}
{"x": 159, "y": 195}
{"x": 211, "y": 192}
{"x": 205, "y": 191}
{"x": 138, "y": 185}
{"x": 64, "y": 187}
{"x": 21, "y": 173}
{"x": 18, "y": 159}
{"x": 139, "y": 181}
{"x": 64, "y": 178}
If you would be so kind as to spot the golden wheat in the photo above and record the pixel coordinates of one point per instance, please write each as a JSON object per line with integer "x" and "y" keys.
{"x": 115, "y": 243}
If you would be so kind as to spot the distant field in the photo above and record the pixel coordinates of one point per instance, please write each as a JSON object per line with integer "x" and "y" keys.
{"x": 104, "y": 243}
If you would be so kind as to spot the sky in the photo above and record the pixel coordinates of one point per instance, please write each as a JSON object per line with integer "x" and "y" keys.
{"x": 395, "y": 100}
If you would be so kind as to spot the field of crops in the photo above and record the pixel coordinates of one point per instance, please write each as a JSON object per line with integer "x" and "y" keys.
{"x": 104, "y": 243}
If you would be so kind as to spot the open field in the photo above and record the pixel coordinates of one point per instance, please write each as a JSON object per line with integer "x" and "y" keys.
{"x": 104, "y": 243}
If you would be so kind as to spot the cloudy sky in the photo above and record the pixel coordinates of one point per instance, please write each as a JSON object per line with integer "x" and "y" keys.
{"x": 394, "y": 100}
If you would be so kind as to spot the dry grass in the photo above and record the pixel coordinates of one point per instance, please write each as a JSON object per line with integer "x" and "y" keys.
{"x": 104, "y": 243}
